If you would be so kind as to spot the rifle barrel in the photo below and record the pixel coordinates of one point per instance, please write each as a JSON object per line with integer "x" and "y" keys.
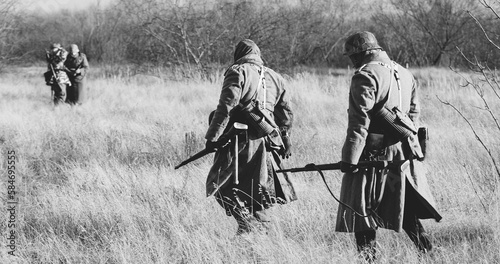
{"x": 236, "y": 129}
{"x": 313, "y": 167}
{"x": 194, "y": 157}
{"x": 336, "y": 166}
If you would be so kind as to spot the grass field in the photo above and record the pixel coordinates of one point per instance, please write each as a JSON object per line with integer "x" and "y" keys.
{"x": 96, "y": 183}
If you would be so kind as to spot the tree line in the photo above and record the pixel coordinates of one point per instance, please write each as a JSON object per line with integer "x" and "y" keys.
{"x": 290, "y": 33}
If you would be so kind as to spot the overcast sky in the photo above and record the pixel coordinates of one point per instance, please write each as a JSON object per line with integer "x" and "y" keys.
{"x": 50, "y": 5}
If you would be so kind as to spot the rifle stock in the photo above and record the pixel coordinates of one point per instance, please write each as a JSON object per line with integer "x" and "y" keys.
{"x": 382, "y": 164}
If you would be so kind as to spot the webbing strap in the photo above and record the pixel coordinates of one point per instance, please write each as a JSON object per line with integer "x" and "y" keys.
{"x": 262, "y": 84}
{"x": 394, "y": 72}
{"x": 255, "y": 96}
{"x": 398, "y": 81}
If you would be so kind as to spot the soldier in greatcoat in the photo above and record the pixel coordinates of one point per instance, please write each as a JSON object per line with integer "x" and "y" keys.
{"x": 56, "y": 75}
{"x": 393, "y": 198}
{"x": 248, "y": 82}
{"x": 77, "y": 65}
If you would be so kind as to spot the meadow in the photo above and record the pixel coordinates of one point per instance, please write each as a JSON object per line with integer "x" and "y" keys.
{"x": 96, "y": 182}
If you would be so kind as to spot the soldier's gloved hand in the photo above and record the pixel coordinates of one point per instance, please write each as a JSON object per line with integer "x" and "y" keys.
{"x": 348, "y": 168}
{"x": 211, "y": 145}
{"x": 286, "y": 152}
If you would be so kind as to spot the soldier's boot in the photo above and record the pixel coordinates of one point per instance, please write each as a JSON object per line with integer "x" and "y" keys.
{"x": 258, "y": 222}
{"x": 413, "y": 227}
{"x": 425, "y": 244}
{"x": 263, "y": 221}
{"x": 422, "y": 242}
{"x": 244, "y": 219}
{"x": 366, "y": 244}
{"x": 243, "y": 227}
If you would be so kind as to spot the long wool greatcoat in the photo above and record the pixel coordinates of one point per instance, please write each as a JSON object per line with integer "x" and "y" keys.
{"x": 76, "y": 93}
{"x": 78, "y": 62}
{"x": 259, "y": 185}
{"x": 383, "y": 194}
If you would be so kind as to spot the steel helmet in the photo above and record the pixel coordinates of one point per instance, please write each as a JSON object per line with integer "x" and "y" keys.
{"x": 73, "y": 48}
{"x": 359, "y": 42}
{"x": 55, "y": 46}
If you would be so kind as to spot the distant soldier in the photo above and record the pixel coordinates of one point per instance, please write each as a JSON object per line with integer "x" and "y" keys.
{"x": 251, "y": 89}
{"x": 77, "y": 66}
{"x": 382, "y": 95}
{"x": 56, "y": 76}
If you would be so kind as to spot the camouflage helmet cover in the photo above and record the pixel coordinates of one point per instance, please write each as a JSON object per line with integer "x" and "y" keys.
{"x": 55, "y": 46}
{"x": 73, "y": 48}
{"x": 359, "y": 42}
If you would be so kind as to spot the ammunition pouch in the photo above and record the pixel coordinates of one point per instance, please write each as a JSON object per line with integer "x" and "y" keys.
{"x": 258, "y": 126}
{"x": 398, "y": 127}
{"x": 259, "y": 123}
{"x": 395, "y": 123}
{"x": 275, "y": 141}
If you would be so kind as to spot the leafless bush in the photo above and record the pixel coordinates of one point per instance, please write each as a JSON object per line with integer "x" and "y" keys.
{"x": 7, "y": 29}
{"x": 485, "y": 82}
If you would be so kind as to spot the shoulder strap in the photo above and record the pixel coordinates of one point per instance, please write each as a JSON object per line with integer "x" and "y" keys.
{"x": 262, "y": 86}
{"x": 393, "y": 67}
{"x": 262, "y": 83}
{"x": 398, "y": 82}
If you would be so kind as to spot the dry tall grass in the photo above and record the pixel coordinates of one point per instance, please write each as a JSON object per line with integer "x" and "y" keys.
{"x": 98, "y": 185}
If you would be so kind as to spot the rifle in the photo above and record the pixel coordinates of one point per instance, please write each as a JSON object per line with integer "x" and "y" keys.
{"x": 73, "y": 70}
{"x": 379, "y": 164}
{"x": 54, "y": 76}
{"x": 234, "y": 131}
{"x": 54, "y": 73}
